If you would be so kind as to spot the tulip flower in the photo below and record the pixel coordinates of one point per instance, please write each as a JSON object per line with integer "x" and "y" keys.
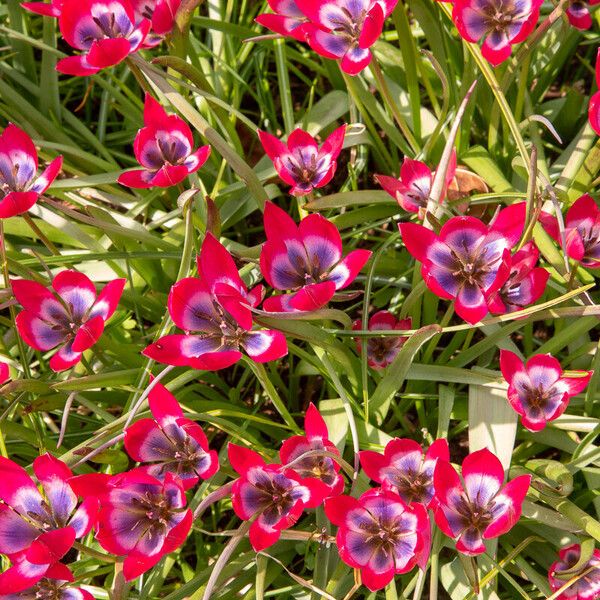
{"x": 538, "y": 390}
{"x": 38, "y": 528}
{"x": 468, "y": 260}
{"x": 214, "y": 311}
{"x": 582, "y": 231}
{"x": 587, "y": 587}
{"x": 287, "y": 19}
{"x": 413, "y": 188}
{"x": 404, "y": 469}
{"x": 578, "y": 13}
{"x": 323, "y": 468}
{"x": 272, "y": 495}
{"x": 525, "y": 284}
{"x": 501, "y": 24}
{"x": 381, "y": 351}
{"x": 380, "y": 535}
{"x": 164, "y": 147}
{"x": 170, "y": 442}
{"x": 71, "y": 318}
{"x": 20, "y": 185}
{"x": 300, "y": 162}
{"x": 140, "y": 517}
{"x": 54, "y": 585}
{"x": 344, "y": 30}
{"x": 106, "y": 31}
{"x": 305, "y": 259}
{"x": 479, "y": 507}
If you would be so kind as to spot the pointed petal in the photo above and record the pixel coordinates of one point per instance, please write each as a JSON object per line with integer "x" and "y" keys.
{"x": 265, "y": 345}
{"x": 314, "y": 424}
{"x": 242, "y": 459}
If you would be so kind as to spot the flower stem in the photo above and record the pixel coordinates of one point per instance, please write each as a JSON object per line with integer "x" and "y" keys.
{"x": 389, "y": 100}
{"x": 38, "y": 232}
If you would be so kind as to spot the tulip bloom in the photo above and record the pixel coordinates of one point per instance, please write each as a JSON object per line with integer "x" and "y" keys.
{"x": 170, "y": 442}
{"x": 586, "y": 587}
{"x": 323, "y": 468}
{"x": 305, "y": 259}
{"x": 594, "y": 107}
{"x": 538, "y": 389}
{"x": 345, "y": 29}
{"x": 217, "y": 307}
{"x": 140, "y": 517}
{"x": 164, "y": 148}
{"x": 54, "y": 585}
{"x": 287, "y": 19}
{"x": 381, "y": 351}
{"x": 578, "y": 13}
{"x": 468, "y": 260}
{"x": 405, "y": 470}
{"x": 482, "y": 508}
{"x": 413, "y": 189}
{"x": 38, "y": 529}
{"x": 300, "y": 162}
{"x": 271, "y": 494}
{"x": 20, "y": 185}
{"x": 582, "y": 231}
{"x": 525, "y": 284}
{"x": 380, "y": 535}
{"x": 501, "y": 24}
{"x": 4, "y": 372}
{"x": 105, "y": 31}
{"x": 72, "y": 317}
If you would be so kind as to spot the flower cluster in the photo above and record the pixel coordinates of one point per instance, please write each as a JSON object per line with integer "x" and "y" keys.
{"x": 341, "y": 30}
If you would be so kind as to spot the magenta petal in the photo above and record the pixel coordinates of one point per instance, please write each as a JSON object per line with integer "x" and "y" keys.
{"x": 108, "y": 299}
{"x": 314, "y": 296}
{"x": 372, "y": 463}
{"x": 89, "y": 333}
{"x": 76, "y": 65}
{"x": 145, "y": 442}
{"x": 242, "y": 459}
{"x": 511, "y": 497}
{"x": 483, "y": 475}
{"x": 139, "y": 179}
{"x": 17, "y": 203}
{"x": 417, "y": 239}
{"x": 338, "y": 507}
{"x": 346, "y": 271}
{"x": 51, "y": 546}
{"x": 262, "y": 537}
{"x": 108, "y": 52}
{"x": 265, "y": 345}
{"x": 372, "y": 27}
{"x": 21, "y": 576}
{"x": 64, "y": 359}
{"x": 510, "y": 364}
{"x": 17, "y": 488}
{"x": 163, "y": 404}
{"x": 16, "y": 534}
{"x": 510, "y": 222}
{"x": 314, "y": 424}
{"x": 43, "y": 182}
{"x": 168, "y": 350}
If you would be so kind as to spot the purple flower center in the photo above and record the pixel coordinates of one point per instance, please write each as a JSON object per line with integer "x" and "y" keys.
{"x": 146, "y": 11}
{"x": 183, "y": 455}
{"x": 275, "y": 496}
{"x": 590, "y": 236}
{"x": 319, "y": 467}
{"x": 502, "y": 16}
{"x": 16, "y": 176}
{"x": 45, "y": 518}
{"x": 413, "y": 486}
{"x": 474, "y": 516}
{"x": 155, "y": 513}
{"x": 383, "y": 536}
{"x": 46, "y": 589}
{"x": 384, "y": 348}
